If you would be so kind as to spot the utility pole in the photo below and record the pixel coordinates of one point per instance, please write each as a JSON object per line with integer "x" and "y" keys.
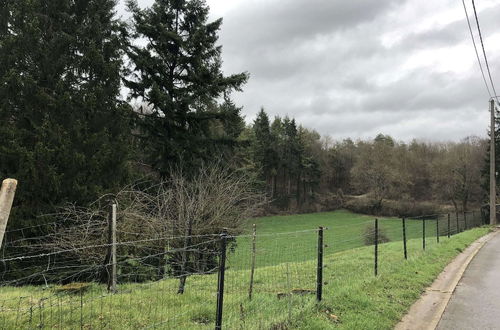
{"x": 493, "y": 193}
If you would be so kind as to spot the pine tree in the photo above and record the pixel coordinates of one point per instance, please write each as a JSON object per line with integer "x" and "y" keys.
{"x": 65, "y": 131}
{"x": 178, "y": 75}
{"x": 261, "y": 148}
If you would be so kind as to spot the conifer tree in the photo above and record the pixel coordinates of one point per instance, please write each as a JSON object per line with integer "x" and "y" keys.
{"x": 261, "y": 149}
{"x": 65, "y": 130}
{"x": 177, "y": 74}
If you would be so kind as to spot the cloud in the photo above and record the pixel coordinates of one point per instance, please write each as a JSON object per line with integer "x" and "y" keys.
{"x": 356, "y": 68}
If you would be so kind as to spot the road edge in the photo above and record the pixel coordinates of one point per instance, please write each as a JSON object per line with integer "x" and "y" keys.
{"x": 426, "y": 312}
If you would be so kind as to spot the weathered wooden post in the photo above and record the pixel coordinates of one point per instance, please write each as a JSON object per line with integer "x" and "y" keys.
{"x": 7, "y": 193}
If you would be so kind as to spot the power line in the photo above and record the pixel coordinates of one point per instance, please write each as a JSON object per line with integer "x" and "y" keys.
{"x": 484, "y": 52}
{"x": 475, "y": 48}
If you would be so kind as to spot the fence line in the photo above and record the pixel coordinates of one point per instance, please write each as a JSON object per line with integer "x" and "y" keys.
{"x": 225, "y": 280}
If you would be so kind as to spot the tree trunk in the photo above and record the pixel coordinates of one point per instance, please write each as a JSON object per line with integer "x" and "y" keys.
{"x": 305, "y": 191}
{"x": 275, "y": 178}
{"x": 187, "y": 242}
{"x": 464, "y": 203}
{"x": 298, "y": 191}
{"x": 455, "y": 205}
{"x": 162, "y": 264}
{"x": 289, "y": 186}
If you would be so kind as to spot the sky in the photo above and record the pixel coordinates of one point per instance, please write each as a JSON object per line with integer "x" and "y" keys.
{"x": 357, "y": 68}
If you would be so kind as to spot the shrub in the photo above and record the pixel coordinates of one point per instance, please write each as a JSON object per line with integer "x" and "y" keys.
{"x": 369, "y": 235}
{"x": 329, "y": 201}
{"x": 396, "y": 208}
{"x": 363, "y": 205}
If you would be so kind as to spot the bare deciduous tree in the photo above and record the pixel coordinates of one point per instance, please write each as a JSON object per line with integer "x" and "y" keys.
{"x": 172, "y": 226}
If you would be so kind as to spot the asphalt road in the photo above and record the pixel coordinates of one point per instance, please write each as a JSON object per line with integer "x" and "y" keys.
{"x": 475, "y": 304}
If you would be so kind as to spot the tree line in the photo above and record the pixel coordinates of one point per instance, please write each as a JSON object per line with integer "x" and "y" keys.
{"x": 304, "y": 171}
{"x": 91, "y": 103}
{"x": 70, "y": 136}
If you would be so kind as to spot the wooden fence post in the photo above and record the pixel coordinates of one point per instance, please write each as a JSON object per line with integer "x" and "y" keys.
{"x": 7, "y": 193}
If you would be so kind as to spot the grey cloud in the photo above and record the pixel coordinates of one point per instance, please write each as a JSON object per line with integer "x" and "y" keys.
{"x": 323, "y": 62}
{"x": 290, "y": 20}
{"x": 452, "y": 33}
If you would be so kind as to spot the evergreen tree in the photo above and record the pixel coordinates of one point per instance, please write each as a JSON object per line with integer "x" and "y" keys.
{"x": 293, "y": 153}
{"x": 262, "y": 151}
{"x": 178, "y": 75}
{"x": 65, "y": 133}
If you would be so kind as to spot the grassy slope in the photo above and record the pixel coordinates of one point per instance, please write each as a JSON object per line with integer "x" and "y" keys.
{"x": 353, "y": 294}
{"x": 346, "y": 230}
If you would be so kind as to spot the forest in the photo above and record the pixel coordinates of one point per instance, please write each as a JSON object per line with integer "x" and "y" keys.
{"x": 91, "y": 103}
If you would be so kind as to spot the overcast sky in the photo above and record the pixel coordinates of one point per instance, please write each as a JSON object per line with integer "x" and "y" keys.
{"x": 361, "y": 67}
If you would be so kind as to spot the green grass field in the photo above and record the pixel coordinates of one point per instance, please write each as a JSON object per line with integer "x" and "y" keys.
{"x": 286, "y": 250}
{"x": 293, "y": 238}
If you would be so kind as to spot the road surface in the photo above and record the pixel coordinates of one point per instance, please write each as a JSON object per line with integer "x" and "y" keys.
{"x": 475, "y": 304}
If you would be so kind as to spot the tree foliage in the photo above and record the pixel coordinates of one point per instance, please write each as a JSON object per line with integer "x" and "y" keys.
{"x": 68, "y": 136}
{"x": 176, "y": 72}
{"x": 64, "y": 128}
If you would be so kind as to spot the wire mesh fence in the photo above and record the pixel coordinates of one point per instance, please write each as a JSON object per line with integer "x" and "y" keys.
{"x": 253, "y": 279}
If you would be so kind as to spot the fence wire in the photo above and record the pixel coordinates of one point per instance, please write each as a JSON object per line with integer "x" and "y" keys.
{"x": 173, "y": 281}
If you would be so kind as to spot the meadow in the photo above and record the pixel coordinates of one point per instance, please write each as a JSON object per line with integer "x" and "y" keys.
{"x": 292, "y": 238}
{"x": 285, "y": 279}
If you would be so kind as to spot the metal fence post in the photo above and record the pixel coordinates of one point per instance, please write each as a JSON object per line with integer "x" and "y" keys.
{"x": 465, "y": 220}
{"x": 404, "y": 238}
{"x": 376, "y": 247}
{"x": 112, "y": 249}
{"x": 448, "y": 225}
{"x": 437, "y": 229}
{"x": 458, "y": 224}
{"x": 423, "y": 233}
{"x": 319, "y": 270}
{"x": 252, "y": 270}
{"x": 220, "y": 281}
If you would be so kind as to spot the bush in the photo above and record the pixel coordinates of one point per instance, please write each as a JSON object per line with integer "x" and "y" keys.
{"x": 369, "y": 235}
{"x": 363, "y": 205}
{"x": 393, "y": 208}
{"x": 330, "y": 201}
